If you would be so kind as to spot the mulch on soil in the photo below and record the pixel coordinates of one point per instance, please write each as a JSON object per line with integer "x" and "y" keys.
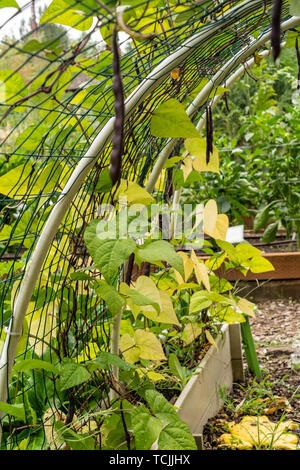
{"x": 276, "y": 326}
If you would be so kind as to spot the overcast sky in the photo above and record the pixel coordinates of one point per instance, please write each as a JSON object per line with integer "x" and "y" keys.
{"x": 14, "y": 23}
{"x": 10, "y": 24}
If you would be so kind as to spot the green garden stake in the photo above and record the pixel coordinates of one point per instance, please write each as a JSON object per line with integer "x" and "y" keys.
{"x": 249, "y": 348}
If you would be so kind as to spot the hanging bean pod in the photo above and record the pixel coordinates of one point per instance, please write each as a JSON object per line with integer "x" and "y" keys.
{"x": 211, "y": 131}
{"x": 298, "y": 60}
{"x": 118, "y": 137}
{"x": 275, "y": 35}
{"x": 209, "y": 134}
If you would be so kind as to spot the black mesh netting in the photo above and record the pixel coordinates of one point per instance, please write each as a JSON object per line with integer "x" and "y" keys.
{"x": 56, "y": 98}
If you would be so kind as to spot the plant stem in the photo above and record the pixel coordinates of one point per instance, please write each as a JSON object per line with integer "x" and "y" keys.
{"x": 115, "y": 335}
{"x": 125, "y": 426}
{"x": 115, "y": 345}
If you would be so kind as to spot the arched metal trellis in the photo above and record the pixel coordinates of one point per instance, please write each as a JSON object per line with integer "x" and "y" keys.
{"x": 210, "y": 41}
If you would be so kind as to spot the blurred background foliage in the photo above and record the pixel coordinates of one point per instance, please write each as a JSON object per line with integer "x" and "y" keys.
{"x": 257, "y": 129}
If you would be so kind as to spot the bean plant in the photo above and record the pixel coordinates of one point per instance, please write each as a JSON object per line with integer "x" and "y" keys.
{"x": 117, "y": 322}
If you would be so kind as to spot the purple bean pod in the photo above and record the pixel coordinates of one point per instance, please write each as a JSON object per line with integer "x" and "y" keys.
{"x": 275, "y": 34}
{"x": 118, "y": 137}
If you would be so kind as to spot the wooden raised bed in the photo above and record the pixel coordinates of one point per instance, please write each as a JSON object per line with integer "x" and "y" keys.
{"x": 200, "y": 399}
{"x": 286, "y": 263}
{"x": 287, "y": 266}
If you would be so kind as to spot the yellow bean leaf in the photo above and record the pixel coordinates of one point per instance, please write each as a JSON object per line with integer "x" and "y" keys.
{"x": 188, "y": 267}
{"x": 187, "y": 167}
{"x": 42, "y": 326}
{"x": 197, "y": 148}
{"x": 210, "y": 215}
{"x": 154, "y": 376}
{"x": 246, "y": 307}
{"x": 149, "y": 346}
{"x": 200, "y": 271}
{"x": 210, "y": 339}
{"x": 190, "y": 333}
{"x": 167, "y": 314}
{"x": 259, "y": 432}
{"x": 134, "y": 193}
{"x": 221, "y": 227}
{"x": 129, "y": 349}
{"x": 146, "y": 286}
